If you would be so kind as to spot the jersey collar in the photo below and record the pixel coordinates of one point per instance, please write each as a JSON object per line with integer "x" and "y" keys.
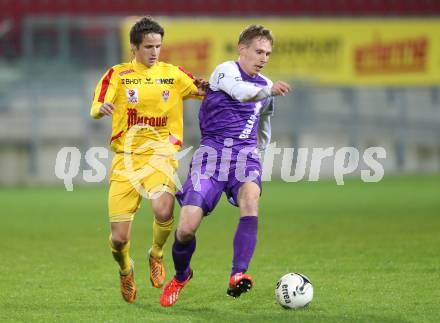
{"x": 139, "y": 67}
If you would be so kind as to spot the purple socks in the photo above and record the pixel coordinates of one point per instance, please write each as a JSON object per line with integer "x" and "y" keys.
{"x": 245, "y": 240}
{"x": 182, "y": 253}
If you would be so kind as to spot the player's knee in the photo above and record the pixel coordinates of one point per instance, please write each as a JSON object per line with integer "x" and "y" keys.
{"x": 185, "y": 233}
{"x": 119, "y": 241}
{"x": 163, "y": 209}
{"x": 163, "y": 214}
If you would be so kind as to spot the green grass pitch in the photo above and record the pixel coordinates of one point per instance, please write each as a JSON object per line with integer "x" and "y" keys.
{"x": 372, "y": 252}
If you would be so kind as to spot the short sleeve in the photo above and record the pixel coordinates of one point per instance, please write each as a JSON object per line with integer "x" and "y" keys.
{"x": 186, "y": 83}
{"x": 105, "y": 91}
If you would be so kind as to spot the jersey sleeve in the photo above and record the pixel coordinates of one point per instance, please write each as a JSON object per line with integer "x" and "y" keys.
{"x": 105, "y": 91}
{"x": 264, "y": 127}
{"x": 186, "y": 83}
{"x": 227, "y": 78}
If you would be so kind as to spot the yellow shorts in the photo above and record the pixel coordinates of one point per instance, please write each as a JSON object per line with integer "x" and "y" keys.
{"x": 135, "y": 176}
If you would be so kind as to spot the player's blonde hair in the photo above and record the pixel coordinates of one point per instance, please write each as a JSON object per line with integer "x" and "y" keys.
{"x": 254, "y": 31}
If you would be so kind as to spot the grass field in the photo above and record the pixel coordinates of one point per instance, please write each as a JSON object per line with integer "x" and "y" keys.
{"x": 372, "y": 252}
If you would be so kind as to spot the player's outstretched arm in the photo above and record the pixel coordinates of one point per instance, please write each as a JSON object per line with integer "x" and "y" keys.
{"x": 200, "y": 89}
{"x": 227, "y": 78}
{"x": 277, "y": 88}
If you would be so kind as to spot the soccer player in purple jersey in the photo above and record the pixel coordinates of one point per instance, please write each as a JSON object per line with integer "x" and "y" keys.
{"x": 235, "y": 124}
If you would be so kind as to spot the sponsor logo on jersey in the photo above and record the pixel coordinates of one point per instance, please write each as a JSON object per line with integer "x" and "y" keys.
{"x": 132, "y": 95}
{"x": 134, "y": 118}
{"x": 131, "y": 81}
{"x": 165, "y": 81}
{"x": 165, "y": 95}
{"x": 138, "y": 81}
{"x": 245, "y": 133}
{"x": 220, "y": 76}
{"x": 126, "y": 72}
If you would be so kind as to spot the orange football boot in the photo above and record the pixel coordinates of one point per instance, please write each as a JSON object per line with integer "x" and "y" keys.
{"x": 128, "y": 286}
{"x": 170, "y": 293}
{"x": 157, "y": 271}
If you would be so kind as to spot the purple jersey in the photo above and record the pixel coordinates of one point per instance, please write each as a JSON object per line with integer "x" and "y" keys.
{"x": 229, "y": 120}
{"x": 221, "y": 116}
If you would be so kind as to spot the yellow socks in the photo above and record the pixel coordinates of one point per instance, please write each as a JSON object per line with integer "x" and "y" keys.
{"x": 161, "y": 231}
{"x": 122, "y": 257}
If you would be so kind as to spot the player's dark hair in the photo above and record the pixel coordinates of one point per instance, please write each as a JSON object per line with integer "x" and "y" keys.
{"x": 144, "y": 26}
{"x": 254, "y": 31}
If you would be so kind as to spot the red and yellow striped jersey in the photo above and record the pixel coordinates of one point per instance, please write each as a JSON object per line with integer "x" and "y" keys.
{"x": 148, "y": 104}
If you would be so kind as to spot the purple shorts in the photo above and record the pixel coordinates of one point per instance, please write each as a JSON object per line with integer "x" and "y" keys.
{"x": 210, "y": 175}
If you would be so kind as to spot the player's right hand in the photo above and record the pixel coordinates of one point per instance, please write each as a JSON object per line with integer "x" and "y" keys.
{"x": 280, "y": 88}
{"x": 202, "y": 85}
{"x": 107, "y": 109}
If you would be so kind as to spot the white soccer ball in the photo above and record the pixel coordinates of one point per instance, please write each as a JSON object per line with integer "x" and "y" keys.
{"x": 294, "y": 290}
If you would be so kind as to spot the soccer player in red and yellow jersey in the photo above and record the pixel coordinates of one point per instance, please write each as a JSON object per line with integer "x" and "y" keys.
{"x": 144, "y": 98}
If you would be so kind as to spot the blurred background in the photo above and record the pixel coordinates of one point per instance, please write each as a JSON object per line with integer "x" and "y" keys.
{"x": 366, "y": 73}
